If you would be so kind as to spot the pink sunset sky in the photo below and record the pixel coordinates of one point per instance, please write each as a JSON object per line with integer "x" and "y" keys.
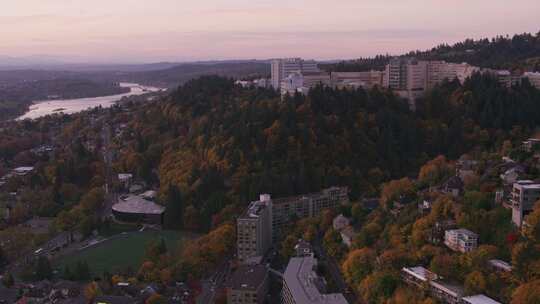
{"x": 185, "y": 30}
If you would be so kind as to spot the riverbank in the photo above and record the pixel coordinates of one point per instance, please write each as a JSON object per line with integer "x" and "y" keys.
{"x": 70, "y": 106}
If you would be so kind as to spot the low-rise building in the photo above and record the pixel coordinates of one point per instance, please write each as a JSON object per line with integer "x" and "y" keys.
{"x": 134, "y": 208}
{"x": 340, "y": 222}
{"x": 512, "y": 174}
{"x": 367, "y": 79}
{"x": 424, "y": 279}
{"x": 453, "y": 186}
{"x": 500, "y": 265}
{"x": 461, "y": 240}
{"x": 303, "y": 249}
{"x": 302, "y": 285}
{"x": 248, "y": 285}
{"x": 348, "y": 235}
{"x": 478, "y": 299}
{"x": 530, "y": 144}
{"x": 424, "y": 207}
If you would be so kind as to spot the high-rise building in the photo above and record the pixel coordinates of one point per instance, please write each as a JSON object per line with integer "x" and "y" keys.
{"x": 302, "y": 285}
{"x": 265, "y": 219}
{"x": 524, "y": 195}
{"x": 281, "y": 68}
{"x": 254, "y": 230}
{"x": 407, "y": 77}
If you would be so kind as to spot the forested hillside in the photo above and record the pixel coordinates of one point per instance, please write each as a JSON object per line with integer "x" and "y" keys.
{"x": 518, "y": 52}
{"x": 218, "y": 144}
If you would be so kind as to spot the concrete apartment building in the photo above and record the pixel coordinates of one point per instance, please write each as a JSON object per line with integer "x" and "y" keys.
{"x": 302, "y": 285}
{"x": 525, "y": 193}
{"x": 281, "y": 68}
{"x": 254, "y": 230}
{"x": 266, "y": 218}
{"x": 302, "y": 206}
{"x": 409, "y": 77}
{"x": 461, "y": 240}
{"x": 248, "y": 285}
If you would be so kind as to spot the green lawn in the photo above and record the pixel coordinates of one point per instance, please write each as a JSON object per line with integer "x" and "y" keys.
{"x": 122, "y": 251}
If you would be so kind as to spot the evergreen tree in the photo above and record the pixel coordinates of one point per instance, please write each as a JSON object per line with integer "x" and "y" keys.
{"x": 43, "y": 269}
{"x": 8, "y": 280}
{"x": 174, "y": 213}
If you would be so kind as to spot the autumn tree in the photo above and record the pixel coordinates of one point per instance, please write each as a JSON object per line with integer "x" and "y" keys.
{"x": 357, "y": 265}
{"x": 378, "y": 286}
{"x": 91, "y": 291}
{"x": 156, "y": 299}
{"x": 527, "y": 293}
{"x": 435, "y": 170}
{"x": 475, "y": 283}
{"x": 394, "y": 190}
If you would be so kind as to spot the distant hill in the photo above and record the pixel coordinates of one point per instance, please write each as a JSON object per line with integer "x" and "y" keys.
{"x": 180, "y": 74}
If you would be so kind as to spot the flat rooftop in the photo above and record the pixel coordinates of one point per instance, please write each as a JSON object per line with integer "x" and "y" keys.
{"x": 138, "y": 205}
{"x": 302, "y": 280}
{"x": 248, "y": 277}
{"x": 480, "y": 299}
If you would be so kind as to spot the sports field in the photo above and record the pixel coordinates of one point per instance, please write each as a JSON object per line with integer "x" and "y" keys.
{"x": 122, "y": 251}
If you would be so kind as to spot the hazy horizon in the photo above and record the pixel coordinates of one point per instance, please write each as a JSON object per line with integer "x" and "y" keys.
{"x": 134, "y": 31}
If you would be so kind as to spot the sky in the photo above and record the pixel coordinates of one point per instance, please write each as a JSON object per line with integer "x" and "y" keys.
{"x": 137, "y": 31}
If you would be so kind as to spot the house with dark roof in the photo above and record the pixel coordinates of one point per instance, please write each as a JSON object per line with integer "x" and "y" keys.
{"x": 453, "y": 186}
{"x": 8, "y": 296}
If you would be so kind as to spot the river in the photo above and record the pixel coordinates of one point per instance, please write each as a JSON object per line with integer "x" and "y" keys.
{"x": 70, "y": 106}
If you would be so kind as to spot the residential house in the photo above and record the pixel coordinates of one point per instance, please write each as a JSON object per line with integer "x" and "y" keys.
{"x": 348, "y": 235}
{"x": 303, "y": 248}
{"x": 453, "y": 186}
{"x": 512, "y": 174}
{"x": 340, "y": 222}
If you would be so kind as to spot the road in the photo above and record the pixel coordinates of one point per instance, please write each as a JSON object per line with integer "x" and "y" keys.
{"x": 335, "y": 272}
{"x": 212, "y": 285}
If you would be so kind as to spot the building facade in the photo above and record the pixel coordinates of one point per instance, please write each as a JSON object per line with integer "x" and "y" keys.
{"x": 366, "y": 79}
{"x": 254, "y": 230}
{"x": 281, "y": 68}
{"x": 284, "y": 210}
{"x": 534, "y": 78}
{"x": 265, "y": 219}
{"x": 461, "y": 240}
{"x": 524, "y": 194}
{"x": 302, "y": 285}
